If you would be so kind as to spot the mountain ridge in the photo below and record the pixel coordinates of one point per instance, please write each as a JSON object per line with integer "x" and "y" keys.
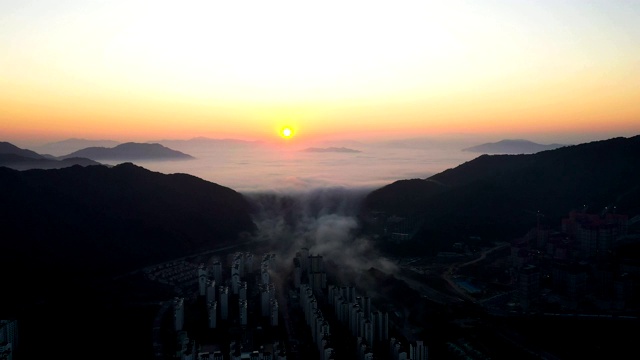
{"x": 130, "y": 151}
{"x": 17, "y": 158}
{"x": 512, "y": 146}
{"x": 67, "y": 146}
{"x": 9, "y": 148}
{"x": 497, "y": 196}
{"x": 95, "y": 221}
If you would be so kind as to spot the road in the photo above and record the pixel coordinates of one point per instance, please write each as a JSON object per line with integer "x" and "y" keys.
{"x": 429, "y": 292}
{"x": 448, "y": 274}
{"x": 444, "y": 298}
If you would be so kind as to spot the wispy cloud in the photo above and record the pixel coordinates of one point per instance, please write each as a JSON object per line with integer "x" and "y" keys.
{"x": 324, "y": 221}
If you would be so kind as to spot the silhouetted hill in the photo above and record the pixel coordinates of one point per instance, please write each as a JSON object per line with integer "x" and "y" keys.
{"x": 8, "y": 148}
{"x": 16, "y": 158}
{"x": 18, "y": 162}
{"x": 80, "y": 223}
{"x": 67, "y": 146}
{"x": 498, "y": 196}
{"x": 517, "y": 146}
{"x": 130, "y": 152}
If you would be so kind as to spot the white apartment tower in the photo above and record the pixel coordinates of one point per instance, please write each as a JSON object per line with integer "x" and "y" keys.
{"x": 272, "y": 261}
{"x": 318, "y": 281}
{"x": 367, "y": 307}
{"x": 211, "y": 290}
{"x": 381, "y": 325}
{"x": 235, "y": 283}
{"x": 248, "y": 263}
{"x": 267, "y": 293}
{"x": 217, "y": 272}
{"x": 304, "y": 259}
{"x": 264, "y": 275}
{"x": 238, "y": 263}
{"x": 315, "y": 264}
{"x": 297, "y": 273}
{"x": 213, "y": 314}
{"x": 178, "y": 313}
{"x": 418, "y": 351}
{"x": 242, "y": 292}
{"x": 368, "y": 332}
{"x": 8, "y": 331}
{"x": 328, "y": 354}
{"x": 274, "y": 313}
{"x": 242, "y": 305}
{"x": 224, "y": 302}
{"x": 203, "y": 275}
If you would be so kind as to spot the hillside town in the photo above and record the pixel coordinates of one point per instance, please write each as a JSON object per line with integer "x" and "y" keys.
{"x": 243, "y": 306}
{"x": 239, "y": 305}
{"x": 246, "y": 309}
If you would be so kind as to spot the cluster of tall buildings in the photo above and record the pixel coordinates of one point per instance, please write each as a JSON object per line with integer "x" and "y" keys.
{"x": 241, "y": 298}
{"x": 416, "y": 350}
{"x": 8, "y": 338}
{"x": 574, "y": 263}
{"x": 354, "y": 312}
{"x": 231, "y": 294}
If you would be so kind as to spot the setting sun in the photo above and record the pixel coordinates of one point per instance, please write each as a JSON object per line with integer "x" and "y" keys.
{"x": 286, "y": 132}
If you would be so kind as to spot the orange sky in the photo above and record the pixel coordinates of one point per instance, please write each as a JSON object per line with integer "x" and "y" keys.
{"x": 133, "y": 70}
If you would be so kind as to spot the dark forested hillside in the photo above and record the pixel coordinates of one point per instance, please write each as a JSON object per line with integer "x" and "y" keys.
{"x": 499, "y": 196}
{"x": 83, "y": 222}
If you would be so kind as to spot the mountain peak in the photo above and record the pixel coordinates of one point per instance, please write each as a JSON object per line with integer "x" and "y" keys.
{"x": 9, "y": 148}
{"x": 130, "y": 151}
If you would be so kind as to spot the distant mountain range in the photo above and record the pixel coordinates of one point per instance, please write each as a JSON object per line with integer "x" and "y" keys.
{"x": 68, "y": 146}
{"x": 60, "y": 148}
{"x": 331, "y": 149}
{"x": 17, "y": 158}
{"x": 497, "y": 197}
{"x": 130, "y": 152}
{"x": 8, "y": 148}
{"x": 517, "y": 146}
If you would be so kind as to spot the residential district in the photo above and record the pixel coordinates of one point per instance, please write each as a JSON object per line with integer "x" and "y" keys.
{"x": 239, "y": 305}
{"x": 244, "y": 309}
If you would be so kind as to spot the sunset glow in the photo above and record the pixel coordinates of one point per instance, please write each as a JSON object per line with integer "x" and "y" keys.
{"x": 135, "y": 70}
{"x": 287, "y": 132}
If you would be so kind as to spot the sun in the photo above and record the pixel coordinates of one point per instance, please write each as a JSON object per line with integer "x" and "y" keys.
{"x": 286, "y": 132}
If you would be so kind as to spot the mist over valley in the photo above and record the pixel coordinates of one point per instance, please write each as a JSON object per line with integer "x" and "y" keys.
{"x": 254, "y": 166}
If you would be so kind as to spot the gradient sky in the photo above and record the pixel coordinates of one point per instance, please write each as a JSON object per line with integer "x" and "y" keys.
{"x": 140, "y": 70}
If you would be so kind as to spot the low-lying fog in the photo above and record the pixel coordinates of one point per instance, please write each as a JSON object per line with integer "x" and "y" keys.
{"x": 310, "y": 199}
{"x": 254, "y": 167}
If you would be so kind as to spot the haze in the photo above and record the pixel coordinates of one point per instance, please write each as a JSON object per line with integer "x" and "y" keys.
{"x": 264, "y": 167}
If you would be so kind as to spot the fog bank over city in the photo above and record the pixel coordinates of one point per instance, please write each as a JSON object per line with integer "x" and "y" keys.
{"x": 323, "y": 221}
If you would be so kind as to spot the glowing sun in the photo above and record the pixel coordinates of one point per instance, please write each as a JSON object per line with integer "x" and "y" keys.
{"x": 286, "y": 132}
